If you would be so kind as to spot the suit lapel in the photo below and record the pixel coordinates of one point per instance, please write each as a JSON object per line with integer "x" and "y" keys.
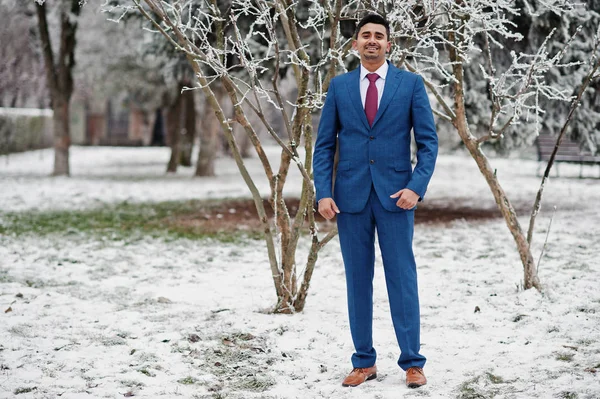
{"x": 354, "y": 92}
{"x": 392, "y": 82}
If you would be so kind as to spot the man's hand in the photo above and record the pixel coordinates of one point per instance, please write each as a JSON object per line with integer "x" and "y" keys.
{"x": 407, "y": 198}
{"x": 328, "y": 208}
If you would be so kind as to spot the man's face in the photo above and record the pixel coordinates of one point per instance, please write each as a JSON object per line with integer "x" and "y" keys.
{"x": 372, "y": 43}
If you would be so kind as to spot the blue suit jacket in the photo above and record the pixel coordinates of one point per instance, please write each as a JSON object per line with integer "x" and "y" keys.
{"x": 378, "y": 155}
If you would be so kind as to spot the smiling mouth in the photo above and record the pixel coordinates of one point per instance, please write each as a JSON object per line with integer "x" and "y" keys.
{"x": 372, "y": 48}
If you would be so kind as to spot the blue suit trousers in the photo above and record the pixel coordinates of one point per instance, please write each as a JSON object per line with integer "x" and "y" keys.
{"x": 357, "y": 240}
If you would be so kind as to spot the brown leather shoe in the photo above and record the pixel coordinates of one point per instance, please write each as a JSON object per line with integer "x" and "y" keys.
{"x": 415, "y": 377}
{"x": 357, "y": 376}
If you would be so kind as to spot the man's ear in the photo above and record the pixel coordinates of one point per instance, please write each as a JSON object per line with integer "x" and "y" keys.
{"x": 354, "y": 45}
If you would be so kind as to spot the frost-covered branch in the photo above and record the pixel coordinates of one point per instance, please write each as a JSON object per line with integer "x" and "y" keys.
{"x": 594, "y": 63}
{"x": 424, "y": 30}
{"x": 518, "y": 89}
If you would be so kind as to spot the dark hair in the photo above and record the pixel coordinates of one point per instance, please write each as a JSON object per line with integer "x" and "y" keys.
{"x": 373, "y": 19}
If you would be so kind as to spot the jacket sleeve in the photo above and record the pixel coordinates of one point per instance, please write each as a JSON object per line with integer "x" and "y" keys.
{"x": 325, "y": 146}
{"x": 425, "y": 137}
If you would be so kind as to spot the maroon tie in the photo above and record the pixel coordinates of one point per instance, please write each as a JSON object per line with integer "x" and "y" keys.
{"x": 371, "y": 100}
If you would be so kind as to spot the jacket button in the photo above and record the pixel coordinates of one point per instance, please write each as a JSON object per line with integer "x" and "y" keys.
{"x": 371, "y": 138}
{"x": 372, "y": 161}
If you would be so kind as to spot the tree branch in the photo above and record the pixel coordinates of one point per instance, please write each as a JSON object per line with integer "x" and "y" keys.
{"x": 574, "y": 104}
{"x": 51, "y": 75}
{"x": 447, "y": 109}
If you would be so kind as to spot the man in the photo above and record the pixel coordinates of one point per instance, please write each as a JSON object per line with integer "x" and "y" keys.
{"x": 371, "y": 112}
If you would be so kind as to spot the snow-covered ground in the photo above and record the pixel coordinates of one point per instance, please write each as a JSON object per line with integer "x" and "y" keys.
{"x": 158, "y": 318}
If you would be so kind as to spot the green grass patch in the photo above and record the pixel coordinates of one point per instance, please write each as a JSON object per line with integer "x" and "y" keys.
{"x": 494, "y": 379}
{"x": 132, "y": 383}
{"x": 129, "y": 221}
{"x": 187, "y": 380}
{"x": 568, "y": 395}
{"x": 585, "y": 342}
{"x": 4, "y": 277}
{"x": 20, "y": 391}
{"x": 470, "y": 390}
{"x": 565, "y": 357}
{"x": 254, "y": 383}
{"x": 484, "y": 386}
{"x": 147, "y": 372}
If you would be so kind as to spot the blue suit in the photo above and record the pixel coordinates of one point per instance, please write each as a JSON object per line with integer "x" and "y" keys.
{"x": 374, "y": 163}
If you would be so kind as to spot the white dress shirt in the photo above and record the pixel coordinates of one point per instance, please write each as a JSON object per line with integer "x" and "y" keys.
{"x": 380, "y": 83}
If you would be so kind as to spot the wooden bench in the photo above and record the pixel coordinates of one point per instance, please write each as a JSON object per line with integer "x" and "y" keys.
{"x": 568, "y": 152}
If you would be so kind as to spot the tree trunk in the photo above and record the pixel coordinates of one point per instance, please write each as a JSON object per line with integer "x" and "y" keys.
{"x": 291, "y": 295}
{"x": 187, "y": 140}
{"x": 174, "y": 132}
{"x": 243, "y": 141}
{"x": 158, "y": 131}
{"x": 209, "y": 136}
{"x": 59, "y": 77}
{"x": 62, "y": 138}
{"x": 530, "y": 277}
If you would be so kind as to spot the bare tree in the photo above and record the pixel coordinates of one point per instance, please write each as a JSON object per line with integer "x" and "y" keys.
{"x": 440, "y": 38}
{"x": 189, "y": 126}
{"x": 594, "y": 65}
{"x": 264, "y": 39}
{"x": 59, "y": 74}
{"x": 22, "y": 82}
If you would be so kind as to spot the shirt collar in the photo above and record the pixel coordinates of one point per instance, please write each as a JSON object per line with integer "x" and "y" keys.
{"x": 381, "y": 71}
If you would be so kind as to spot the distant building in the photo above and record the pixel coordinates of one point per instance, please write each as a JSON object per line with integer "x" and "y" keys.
{"x": 115, "y": 121}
